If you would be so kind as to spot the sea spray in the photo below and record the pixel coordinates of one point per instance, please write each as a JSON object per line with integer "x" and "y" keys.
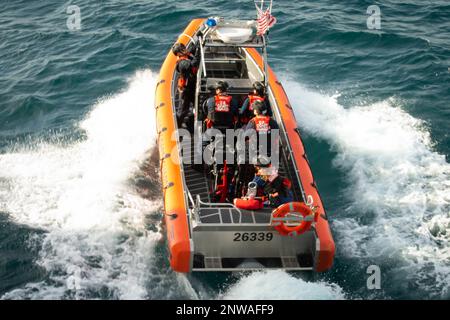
{"x": 97, "y": 243}
{"x": 279, "y": 285}
{"x": 395, "y": 176}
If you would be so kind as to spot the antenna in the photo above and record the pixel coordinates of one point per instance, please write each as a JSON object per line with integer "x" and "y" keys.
{"x": 259, "y": 4}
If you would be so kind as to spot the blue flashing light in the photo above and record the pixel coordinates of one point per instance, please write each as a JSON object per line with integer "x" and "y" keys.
{"x": 211, "y": 22}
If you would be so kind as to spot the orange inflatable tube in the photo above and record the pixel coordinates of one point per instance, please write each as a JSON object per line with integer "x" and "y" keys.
{"x": 175, "y": 213}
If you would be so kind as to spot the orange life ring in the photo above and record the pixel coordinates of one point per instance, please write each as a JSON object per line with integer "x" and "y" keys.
{"x": 293, "y": 207}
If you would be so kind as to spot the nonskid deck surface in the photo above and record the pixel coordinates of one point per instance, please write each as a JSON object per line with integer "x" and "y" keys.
{"x": 197, "y": 183}
{"x": 232, "y": 215}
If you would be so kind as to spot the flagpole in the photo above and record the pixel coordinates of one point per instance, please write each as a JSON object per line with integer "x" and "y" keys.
{"x": 266, "y": 63}
{"x": 265, "y": 58}
{"x": 264, "y": 39}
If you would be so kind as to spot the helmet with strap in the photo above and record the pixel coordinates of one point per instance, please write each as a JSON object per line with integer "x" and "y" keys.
{"x": 178, "y": 48}
{"x": 222, "y": 85}
{"x": 260, "y": 88}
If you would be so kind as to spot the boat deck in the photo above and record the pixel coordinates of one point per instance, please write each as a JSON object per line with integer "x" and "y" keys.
{"x": 232, "y": 216}
{"x": 198, "y": 183}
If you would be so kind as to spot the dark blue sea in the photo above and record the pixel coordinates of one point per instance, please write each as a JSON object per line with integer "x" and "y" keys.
{"x": 80, "y": 201}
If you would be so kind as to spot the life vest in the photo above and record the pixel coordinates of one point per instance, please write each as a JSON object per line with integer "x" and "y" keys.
{"x": 182, "y": 82}
{"x": 223, "y": 103}
{"x": 252, "y": 99}
{"x": 184, "y": 57}
{"x": 262, "y": 124}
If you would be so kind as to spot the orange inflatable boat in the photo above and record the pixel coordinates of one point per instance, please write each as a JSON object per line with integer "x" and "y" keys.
{"x": 206, "y": 231}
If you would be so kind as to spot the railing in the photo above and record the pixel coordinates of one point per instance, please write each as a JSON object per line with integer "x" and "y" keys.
{"x": 220, "y": 207}
{"x": 191, "y": 199}
{"x": 202, "y": 53}
{"x": 286, "y": 145}
{"x": 294, "y": 219}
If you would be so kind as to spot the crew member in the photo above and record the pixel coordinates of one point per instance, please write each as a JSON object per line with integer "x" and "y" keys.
{"x": 182, "y": 53}
{"x": 221, "y": 108}
{"x": 263, "y": 125}
{"x": 187, "y": 67}
{"x": 273, "y": 186}
{"x": 258, "y": 94}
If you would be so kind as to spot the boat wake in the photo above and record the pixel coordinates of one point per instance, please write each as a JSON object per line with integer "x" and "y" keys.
{"x": 279, "y": 285}
{"x": 89, "y": 197}
{"x": 397, "y": 205}
{"x": 95, "y": 202}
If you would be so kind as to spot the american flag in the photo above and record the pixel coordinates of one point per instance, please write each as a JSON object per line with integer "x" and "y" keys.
{"x": 265, "y": 21}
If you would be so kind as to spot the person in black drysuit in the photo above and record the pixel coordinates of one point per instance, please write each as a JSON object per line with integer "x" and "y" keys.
{"x": 222, "y": 108}
{"x": 276, "y": 188}
{"x": 187, "y": 67}
{"x": 258, "y": 94}
{"x": 263, "y": 125}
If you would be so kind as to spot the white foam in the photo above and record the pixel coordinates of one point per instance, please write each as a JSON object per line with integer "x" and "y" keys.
{"x": 96, "y": 239}
{"x": 278, "y": 285}
{"x": 394, "y": 175}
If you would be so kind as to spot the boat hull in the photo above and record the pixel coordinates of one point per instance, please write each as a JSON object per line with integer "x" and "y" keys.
{"x": 179, "y": 228}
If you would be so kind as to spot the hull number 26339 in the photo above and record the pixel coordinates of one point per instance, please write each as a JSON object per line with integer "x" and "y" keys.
{"x": 253, "y": 236}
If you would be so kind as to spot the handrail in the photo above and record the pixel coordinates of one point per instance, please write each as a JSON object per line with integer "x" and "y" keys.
{"x": 202, "y": 53}
{"x": 190, "y": 197}
{"x": 219, "y": 205}
{"x": 288, "y": 145}
{"x": 233, "y": 45}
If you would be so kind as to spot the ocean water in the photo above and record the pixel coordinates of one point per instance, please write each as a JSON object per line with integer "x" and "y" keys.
{"x": 80, "y": 202}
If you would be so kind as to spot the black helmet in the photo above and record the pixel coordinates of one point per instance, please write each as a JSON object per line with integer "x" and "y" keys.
{"x": 259, "y": 87}
{"x": 178, "y": 48}
{"x": 222, "y": 85}
{"x": 260, "y": 107}
{"x": 183, "y": 67}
